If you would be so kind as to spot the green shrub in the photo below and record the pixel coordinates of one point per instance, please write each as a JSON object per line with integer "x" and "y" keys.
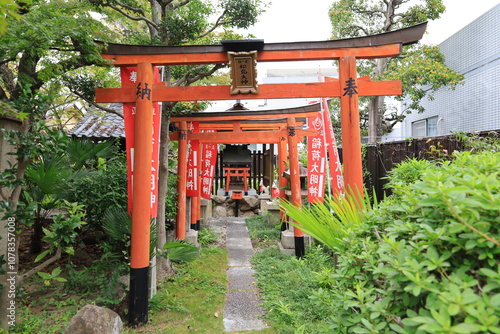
{"x": 171, "y": 200}
{"x": 476, "y": 143}
{"x": 408, "y": 172}
{"x": 99, "y": 280}
{"x": 100, "y": 189}
{"x": 427, "y": 260}
{"x": 260, "y": 229}
{"x": 207, "y": 237}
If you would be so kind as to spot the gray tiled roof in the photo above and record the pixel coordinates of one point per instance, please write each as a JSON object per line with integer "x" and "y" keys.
{"x": 99, "y": 124}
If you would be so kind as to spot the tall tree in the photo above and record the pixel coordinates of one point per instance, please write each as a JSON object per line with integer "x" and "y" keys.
{"x": 8, "y": 10}
{"x": 420, "y": 67}
{"x": 179, "y": 22}
{"x": 42, "y": 42}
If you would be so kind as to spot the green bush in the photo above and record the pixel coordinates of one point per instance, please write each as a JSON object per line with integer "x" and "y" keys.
{"x": 171, "y": 200}
{"x": 99, "y": 280}
{"x": 260, "y": 229}
{"x": 427, "y": 260}
{"x": 100, "y": 189}
{"x": 408, "y": 172}
{"x": 207, "y": 237}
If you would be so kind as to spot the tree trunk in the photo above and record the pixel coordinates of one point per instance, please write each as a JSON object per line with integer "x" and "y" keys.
{"x": 375, "y": 116}
{"x": 164, "y": 268}
{"x": 376, "y": 108}
{"x": 36, "y": 237}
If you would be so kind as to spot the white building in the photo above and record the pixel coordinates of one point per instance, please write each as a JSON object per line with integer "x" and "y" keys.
{"x": 473, "y": 51}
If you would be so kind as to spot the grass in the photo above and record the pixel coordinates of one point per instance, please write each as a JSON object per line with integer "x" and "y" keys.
{"x": 46, "y": 309}
{"x": 291, "y": 306}
{"x": 193, "y": 300}
{"x": 262, "y": 233}
{"x": 289, "y": 285}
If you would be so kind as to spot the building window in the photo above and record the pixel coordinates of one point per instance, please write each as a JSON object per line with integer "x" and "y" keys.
{"x": 424, "y": 128}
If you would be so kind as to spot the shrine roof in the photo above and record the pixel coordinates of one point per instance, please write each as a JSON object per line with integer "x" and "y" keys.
{"x": 264, "y": 116}
{"x": 99, "y": 125}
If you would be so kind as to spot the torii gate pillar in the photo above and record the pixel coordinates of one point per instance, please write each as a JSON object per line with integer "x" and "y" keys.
{"x": 141, "y": 201}
{"x": 180, "y": 227}
{"x": 295, "y": 182}
{"x": 349, "y": 118}
{"x": 282, "y": 180}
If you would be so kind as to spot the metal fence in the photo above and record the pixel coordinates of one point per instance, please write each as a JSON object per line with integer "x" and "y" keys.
{"x": 380, "y": 158}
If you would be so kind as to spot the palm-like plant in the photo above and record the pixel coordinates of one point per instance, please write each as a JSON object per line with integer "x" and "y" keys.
{"x": 83, "y": 152}
{"x": 118, "y": 224}
{"x": 331, "y": 221}
{"x": 45, "y": 180}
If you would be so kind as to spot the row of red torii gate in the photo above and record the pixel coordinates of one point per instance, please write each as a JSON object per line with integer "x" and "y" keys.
{"x": 280, "y": 127}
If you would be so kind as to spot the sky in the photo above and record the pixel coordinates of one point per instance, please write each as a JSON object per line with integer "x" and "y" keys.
{"x": 297, "y": 21}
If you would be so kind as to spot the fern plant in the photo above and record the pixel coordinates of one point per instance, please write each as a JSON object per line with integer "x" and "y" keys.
{"x": 177, "y": 251}
{"x": 331, "y": 221}
{"x": 117, "y": 224}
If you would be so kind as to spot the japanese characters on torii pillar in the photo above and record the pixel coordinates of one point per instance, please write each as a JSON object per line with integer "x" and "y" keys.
{"x": 349, "y": 117}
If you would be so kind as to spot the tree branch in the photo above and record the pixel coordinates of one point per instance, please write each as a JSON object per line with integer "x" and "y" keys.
{"x": 97, "y": 105}
{"x": 3, "y": 194}
{"x": 179, "y": 4}
{"x": 217, "y": 24}
{"x": 136, "y": 10}
{"x": 186, "y": 80}
{"x": 165, "y": 2}
{"x": 3, "y": 62}
{"x": 41, "y": 266}
{"x": 63, "y": 66}
{"x": 103, "y": 108}
{"x": 133, "y": 9}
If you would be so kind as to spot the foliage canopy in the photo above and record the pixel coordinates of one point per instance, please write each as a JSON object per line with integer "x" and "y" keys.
{"x": 421, "y": 68}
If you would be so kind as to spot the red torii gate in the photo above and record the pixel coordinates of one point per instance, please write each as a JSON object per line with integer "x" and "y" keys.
{"x": 348, "y": 87}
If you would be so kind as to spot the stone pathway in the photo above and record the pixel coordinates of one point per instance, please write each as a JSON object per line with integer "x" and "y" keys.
{"x": 242, "y": 311}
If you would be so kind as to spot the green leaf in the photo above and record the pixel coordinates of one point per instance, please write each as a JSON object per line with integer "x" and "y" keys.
{"x": 174, "y": 244}
{"x": 41, "y": 255}
{"x": 396, "y": 328}
{"x": 453, "y": 309}
{"x": 490, "y": 273}
{"x": 182, "y": 254}
{"x": 59, "y": 279}
{"x": 466, "y": 328}
{"x": 418, "y": 320}
{"x": 495, "y": 300}
{"x": 442, "y": 317}
{"x": 44, "y": 275}
{"x": 56, "y": 271}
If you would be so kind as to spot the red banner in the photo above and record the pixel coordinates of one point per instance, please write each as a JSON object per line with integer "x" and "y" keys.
{"x": 208, "y": 169}
{"x": 333, "y": 152}
{"x": 331, "y": 144}
{"x": 129, "y": 77}
{"x": 193, "y": 170}
{"x": 316, "y": 160}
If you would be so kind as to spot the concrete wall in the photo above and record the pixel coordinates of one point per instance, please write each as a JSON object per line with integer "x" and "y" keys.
{"x": 473, "y": 51}
{"x": 5, "y": 148}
